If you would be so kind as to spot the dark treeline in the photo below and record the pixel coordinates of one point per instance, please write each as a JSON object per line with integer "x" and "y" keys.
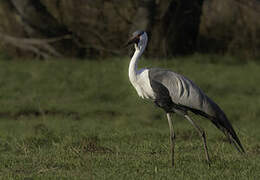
{"x": 87, "y": 28}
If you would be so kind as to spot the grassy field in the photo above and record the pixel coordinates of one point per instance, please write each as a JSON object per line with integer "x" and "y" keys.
{"x": 83, "y": 120}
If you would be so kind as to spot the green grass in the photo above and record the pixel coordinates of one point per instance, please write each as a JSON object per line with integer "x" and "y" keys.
{"x": 73, "y": 119}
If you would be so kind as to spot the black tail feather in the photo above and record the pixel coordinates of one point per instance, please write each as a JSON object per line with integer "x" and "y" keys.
{"x": 224, "y": 125}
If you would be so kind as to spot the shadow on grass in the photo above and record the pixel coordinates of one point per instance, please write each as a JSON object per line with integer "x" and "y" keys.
{"x": 89, "y": 145}
{"x": 37, "y": 113}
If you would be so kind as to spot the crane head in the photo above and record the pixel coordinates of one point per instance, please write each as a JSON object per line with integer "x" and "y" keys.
{"x": 136, "y": 38}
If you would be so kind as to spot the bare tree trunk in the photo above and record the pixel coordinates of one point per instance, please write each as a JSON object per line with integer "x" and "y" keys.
{"x": 37, "y": 19}
{"x": 173, "y": 25}
{"x": 184, "y": 26}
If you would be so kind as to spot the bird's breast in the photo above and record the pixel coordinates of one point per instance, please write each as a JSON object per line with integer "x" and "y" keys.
{"x": 142, "y": 85}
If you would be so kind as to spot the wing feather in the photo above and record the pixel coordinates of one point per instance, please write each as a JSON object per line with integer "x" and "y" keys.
{"x": 183, "y": 93}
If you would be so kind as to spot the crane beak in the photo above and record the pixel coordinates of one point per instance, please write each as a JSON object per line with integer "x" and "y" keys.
{"x": 131, "y": 41}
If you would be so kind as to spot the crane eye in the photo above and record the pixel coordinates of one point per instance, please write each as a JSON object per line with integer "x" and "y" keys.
{"x": 132, "y": 41}
{"x": 140, "y": 34}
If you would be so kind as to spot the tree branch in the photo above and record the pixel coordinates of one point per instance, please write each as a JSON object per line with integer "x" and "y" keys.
{"x": 39, "y": 47}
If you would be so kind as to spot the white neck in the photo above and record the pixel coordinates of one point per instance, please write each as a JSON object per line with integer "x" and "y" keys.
{"x": 133, "y": 69}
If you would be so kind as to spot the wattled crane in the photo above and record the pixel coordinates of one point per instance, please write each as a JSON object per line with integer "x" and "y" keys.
{"x": 176, "y": 94}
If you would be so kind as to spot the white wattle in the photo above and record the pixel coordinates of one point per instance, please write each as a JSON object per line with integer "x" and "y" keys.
{"x": 140, "y": 78}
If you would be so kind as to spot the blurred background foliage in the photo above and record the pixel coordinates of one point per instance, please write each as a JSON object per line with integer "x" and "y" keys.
{"x": 87, "y": 28}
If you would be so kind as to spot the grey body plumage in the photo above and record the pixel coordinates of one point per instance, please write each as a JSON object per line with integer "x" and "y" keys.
{"x": 177, "y": 94}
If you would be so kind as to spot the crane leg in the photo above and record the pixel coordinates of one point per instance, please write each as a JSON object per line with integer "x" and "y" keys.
{"x": 172, "y": 138}
{"x": 203, "y": 136}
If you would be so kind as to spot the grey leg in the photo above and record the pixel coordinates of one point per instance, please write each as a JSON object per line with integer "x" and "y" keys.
{"x": 172, "y": 138}
{"x": 203, "y": 136}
